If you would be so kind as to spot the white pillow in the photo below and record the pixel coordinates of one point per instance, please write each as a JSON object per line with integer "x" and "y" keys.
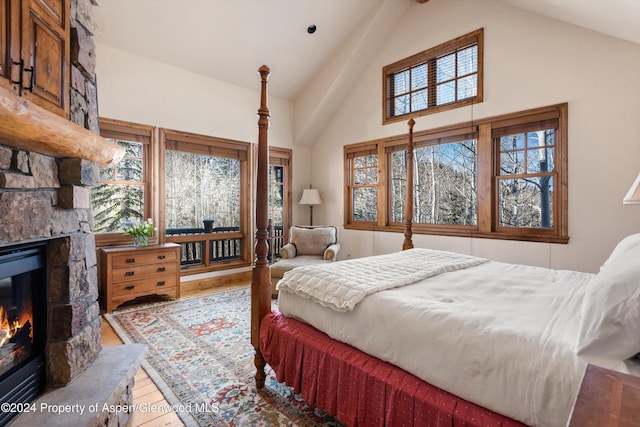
{"x": 610, "y": 326}
{"x": 629, "y": 242}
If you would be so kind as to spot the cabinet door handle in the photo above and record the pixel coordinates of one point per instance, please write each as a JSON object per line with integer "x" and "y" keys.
{"x": 130, "y": 260}
{"x": 129, "y": 273}
{"x": 161, "y": 283}
{"x": 161, "y": 269}
{"x": 129, "y": 288}
{"x": 161, "y": 257}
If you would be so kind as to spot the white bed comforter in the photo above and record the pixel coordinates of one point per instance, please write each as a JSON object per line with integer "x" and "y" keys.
{"x": 341, "y": 285}
{"x": 499, "y": 335}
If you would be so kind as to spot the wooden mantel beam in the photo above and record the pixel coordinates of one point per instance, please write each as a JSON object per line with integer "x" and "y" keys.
{"x": 29, "y": 127}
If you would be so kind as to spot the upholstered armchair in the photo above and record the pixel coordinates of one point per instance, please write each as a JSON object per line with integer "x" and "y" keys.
{"x": 307, "y": 246}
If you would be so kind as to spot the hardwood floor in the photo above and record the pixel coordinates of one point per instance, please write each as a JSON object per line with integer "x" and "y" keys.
{"x": 145, "y": 391}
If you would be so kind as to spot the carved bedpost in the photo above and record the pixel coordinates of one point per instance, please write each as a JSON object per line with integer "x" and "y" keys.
{"x": 261, "y": 281}
{"x": 408, "y": 204}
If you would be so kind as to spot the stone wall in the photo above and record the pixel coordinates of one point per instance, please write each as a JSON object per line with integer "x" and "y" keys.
{"x": 83, "y": 106}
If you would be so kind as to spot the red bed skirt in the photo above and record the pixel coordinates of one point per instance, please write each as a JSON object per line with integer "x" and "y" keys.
{"x": 359, "y": 389}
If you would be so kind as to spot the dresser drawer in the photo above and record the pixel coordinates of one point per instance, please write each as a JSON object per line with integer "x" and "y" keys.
{"x": 147, "y": 286}
{"x": 127, "y": 273}
{"x": 142, "y": 271}
{"x": 135, "y": 258}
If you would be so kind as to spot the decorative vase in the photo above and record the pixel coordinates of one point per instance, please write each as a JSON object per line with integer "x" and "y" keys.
{"x": 140, "y": 241}
{"x": 208, "y": 225}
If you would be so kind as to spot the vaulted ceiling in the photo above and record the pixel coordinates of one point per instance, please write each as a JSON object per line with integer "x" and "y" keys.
{"x": 229, "y": 39}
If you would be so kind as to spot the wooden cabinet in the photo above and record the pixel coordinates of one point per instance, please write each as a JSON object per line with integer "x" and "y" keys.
{"x": 34, "y": 48}
{"x": 10, "y": 13}
{"x": 127, "y": 272}
{"x": 607, "y": 398}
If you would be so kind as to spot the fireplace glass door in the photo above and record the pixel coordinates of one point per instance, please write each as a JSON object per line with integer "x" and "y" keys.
{"x": 22, "y": 322}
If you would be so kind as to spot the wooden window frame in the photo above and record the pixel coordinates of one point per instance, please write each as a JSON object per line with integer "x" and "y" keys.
{"x": 283, "y": 157}
{"x": 430, "y": 56}
{"x": 540, "y": 119}
{"x": 487, "y": 209}
{"x": 438, "y": 136}
{"x": 144, "y": 134}
{"x": 351, "y": 152}
{"x": 208, "y": 145}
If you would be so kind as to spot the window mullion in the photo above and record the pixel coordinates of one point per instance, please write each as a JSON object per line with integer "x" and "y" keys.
{"x": 455, "y": 75}
{"x": 484, "y": 190}
{"x": 431, "y": 91}
{"x": 410, "y": 92}
{"x": 382, "y": 183}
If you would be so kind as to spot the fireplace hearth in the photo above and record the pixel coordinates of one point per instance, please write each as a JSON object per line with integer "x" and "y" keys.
{"x": 22, "y": 324}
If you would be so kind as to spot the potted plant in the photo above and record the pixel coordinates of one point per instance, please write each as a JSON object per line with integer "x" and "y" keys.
{"x": 141, "y": 232}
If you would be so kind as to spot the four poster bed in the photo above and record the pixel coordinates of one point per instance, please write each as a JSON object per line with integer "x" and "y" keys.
{"x": 424, "y": 337}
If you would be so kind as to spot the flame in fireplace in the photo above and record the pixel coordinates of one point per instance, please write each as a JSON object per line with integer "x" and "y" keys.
{"x": 10, "y": 327}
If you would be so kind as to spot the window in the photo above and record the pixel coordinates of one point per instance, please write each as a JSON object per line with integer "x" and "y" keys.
{"x": 501, "y": 177}
{"x": 447, "y": 76}
{"x": 362, "y": 186}
{"x": 526, "y": 175}
{"x": 279, "y": 200}
{"x": 200, "y": 199}
{"x": 445, "y": 181}
{"x": 205, "y": 198}
{"x": 124, "y": 194}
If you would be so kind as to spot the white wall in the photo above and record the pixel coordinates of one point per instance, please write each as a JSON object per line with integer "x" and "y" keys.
{"x": 138, "y": 89}
{"x": 530, "y": 61}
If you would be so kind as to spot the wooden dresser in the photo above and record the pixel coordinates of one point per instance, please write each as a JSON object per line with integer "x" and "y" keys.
{"x": 607, "y": 398}
{"x": 127, "y": 272}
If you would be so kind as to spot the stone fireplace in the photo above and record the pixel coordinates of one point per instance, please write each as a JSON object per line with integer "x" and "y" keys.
{"x": 45, "y": 202}
{"x": 44, "y": 199}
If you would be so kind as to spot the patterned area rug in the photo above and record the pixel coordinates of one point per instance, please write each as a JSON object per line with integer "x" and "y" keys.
{"x": 200, "y": 356}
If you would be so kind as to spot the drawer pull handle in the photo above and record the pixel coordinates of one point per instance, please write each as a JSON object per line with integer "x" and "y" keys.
{"x": 130, "y": 260}
{"x": 129, "y": 288}
{"x": 129, "y": 273}
{"x": 161, "y": 256}
{"x": 161, "y": 283}
{"x": 161, "y": 269}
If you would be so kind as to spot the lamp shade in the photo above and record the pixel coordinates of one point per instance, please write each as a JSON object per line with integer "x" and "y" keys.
{"x": 310, "y": 196}
{"x": 633, "y": 195}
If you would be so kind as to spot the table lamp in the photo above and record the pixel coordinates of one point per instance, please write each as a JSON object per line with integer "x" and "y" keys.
{"x": 310, "y": 196}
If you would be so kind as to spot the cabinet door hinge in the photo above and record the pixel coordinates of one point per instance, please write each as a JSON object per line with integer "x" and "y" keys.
{"x": 20, "y": 65}
{"x": 31, "y": 71}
